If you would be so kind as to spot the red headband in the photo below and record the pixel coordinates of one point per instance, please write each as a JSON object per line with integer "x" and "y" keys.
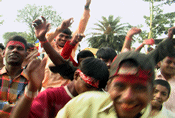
{"x": 14, "y": 43}
{"x": 89, "y": 80}
{"x": 141, "y": 76}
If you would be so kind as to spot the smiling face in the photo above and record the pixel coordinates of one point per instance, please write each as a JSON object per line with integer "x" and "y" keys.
{"x": 168, "y": 66}
{"x": 160, "y": 95}
{"x": 129, "y": 97}
{"x": 61, "y": 39}
{"x": 15, "y": 53}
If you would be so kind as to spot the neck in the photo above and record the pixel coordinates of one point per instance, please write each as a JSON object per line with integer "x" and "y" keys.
{"x": 155, "y": 110}
{"x": 71, "y": 88}
{"x": 13, "y": 70}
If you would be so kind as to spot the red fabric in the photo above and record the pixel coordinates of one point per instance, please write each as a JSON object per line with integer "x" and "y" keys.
{"x": 14, "y": 43}
{"x": 88, "y": 80}
{"x": 66, "y": 53}
{"x": 49, "y": 102}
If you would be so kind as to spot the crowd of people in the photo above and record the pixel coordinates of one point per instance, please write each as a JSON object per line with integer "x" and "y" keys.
{"x": 130, "y": 84}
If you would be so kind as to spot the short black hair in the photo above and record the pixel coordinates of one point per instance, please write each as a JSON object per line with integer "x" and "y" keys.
{"x": 95, "y": 68}
{"x": 84, "y": 54}
{"x": 2, "y": 46}
{"x": 20, "y": 39}
{"x": 106, "y": 53}
{"x": 163, "y": 83}
{"x": 67, "y": 31}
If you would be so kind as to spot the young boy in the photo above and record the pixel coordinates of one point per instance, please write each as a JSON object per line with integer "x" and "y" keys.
{"x": 161, "y": 94}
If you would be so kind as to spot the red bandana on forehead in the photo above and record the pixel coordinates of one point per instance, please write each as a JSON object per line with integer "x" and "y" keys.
{"x": 89, "y": 80}
{"x": 141, "y": 76}
{"x": 14, "y": 43}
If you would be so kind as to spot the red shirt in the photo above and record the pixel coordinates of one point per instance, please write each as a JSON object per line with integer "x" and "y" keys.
{"x": 49, "y": 102}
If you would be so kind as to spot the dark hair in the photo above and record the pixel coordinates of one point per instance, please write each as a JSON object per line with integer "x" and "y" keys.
{"x": 84, "y": 54}
{"x": 67, "y": 31}
{"x": 106, "y": 53}
{"x": 163, "y": 83}
{"x": 2, "y": 46}
{"x": 95, "y": 68}
{"x": 20, "y": 39}
{"x": 30, "y": 45}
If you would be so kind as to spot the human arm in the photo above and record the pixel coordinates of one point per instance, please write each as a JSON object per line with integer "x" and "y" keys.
{"x": 145, "y": 42}
{"x": 35, "y": 72}
{"x": 68, "y": 47}
{"x": 165, "y": 48}
{"x": 40, "y": 31}
{"x": 128, "y": 38}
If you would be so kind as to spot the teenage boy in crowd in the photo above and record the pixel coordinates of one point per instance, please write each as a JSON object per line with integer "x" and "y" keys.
{"x": 161, "y": 94}
{"x": 58, "y": 40}
{"x": 167, "y": 72}
{"x": 12, "y": 78}
{"x": 106, "y": 54}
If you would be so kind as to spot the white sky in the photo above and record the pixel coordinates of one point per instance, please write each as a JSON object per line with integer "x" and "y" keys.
{"x": 131, "y": 11}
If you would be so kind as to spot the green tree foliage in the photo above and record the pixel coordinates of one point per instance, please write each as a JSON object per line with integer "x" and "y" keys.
{"x": 108, "y": 33}
{"x": 158, "y": 21}
{"x": 8, "y": 35}
{"x": 31, "y": 12}
{"x": 1, "y": 22}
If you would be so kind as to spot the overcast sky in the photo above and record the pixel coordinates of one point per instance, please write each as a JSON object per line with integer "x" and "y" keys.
{"x": 130, "y": 11}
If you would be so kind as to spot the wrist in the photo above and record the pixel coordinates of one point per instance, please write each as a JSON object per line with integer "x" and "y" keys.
{"x": 73, "y": 43}
{"x": 30, "y": 94}
{"x": 128, "y": 37}
{"x": 58, "y": 30}
{"x": 86, "y": 7}
{"x": 43, "y": 42}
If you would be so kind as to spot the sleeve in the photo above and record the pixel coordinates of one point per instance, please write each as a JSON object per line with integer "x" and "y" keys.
{"x": 42, "y": 105}
{"x": 165, "y": 48}
{"x": 66, "y": 52}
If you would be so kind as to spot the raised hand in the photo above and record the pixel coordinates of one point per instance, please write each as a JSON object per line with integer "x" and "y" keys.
{"x": 133, "y": 31}
{"x": 35, "y": 71}
{"x": 41, "y": 28}
{"x": 149, "y": 41}
{"x": 65, "y": 24}
{"x": 77, "y": 38}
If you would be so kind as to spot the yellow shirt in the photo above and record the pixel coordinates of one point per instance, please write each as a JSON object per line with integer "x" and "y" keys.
{"x": 92, "y": 105}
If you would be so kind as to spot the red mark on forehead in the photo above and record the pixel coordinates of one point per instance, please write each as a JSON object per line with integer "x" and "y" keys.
{"x": 15, "y": 43}
{"x": 89, "y": 80}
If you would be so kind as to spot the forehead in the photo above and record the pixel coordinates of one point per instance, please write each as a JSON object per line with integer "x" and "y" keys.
{"x": 172, "y": 59}
{"x": 161, "y": 88}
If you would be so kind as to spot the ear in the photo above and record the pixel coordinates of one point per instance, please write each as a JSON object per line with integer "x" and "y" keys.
{"x": 159, "y": 63}
{"x": 108, "y": 84}
{"x": 76, "y": 74}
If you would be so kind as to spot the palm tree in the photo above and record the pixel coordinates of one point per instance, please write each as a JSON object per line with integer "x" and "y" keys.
{"x": 108, "y": 33}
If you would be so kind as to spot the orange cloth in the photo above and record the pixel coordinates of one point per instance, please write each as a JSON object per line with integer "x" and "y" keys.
{"x": 55, "y": 80}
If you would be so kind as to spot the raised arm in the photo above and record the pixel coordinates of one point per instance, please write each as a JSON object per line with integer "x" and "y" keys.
{"x": 145, "y": 42}
{"x": 35, "y": 72}
{"x": 40, "y": 31}
{"x": 69, "y": 46}
{"x": 128, "y": 38}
